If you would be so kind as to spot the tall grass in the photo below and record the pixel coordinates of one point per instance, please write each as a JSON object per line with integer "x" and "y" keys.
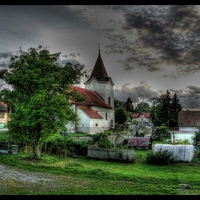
{"x": 78, "y": 176}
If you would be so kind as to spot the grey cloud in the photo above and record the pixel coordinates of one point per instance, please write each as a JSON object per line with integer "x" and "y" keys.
{"x": 137, "y": 94}
{"x": 189, "y": 97}
{"x": 5, "y": 60}
{"x": 173, "y": 31}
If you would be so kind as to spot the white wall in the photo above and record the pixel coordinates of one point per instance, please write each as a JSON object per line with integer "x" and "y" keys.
{"x": 183, "y": 135}
{"x": 104, "y": 89}
{"x": 71, "y": 126}
{"x": 110, "y": 116}
{"x": 192, "y": 128}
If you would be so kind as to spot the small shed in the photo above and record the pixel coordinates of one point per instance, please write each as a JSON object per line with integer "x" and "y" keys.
{"x": 139, "y": 142}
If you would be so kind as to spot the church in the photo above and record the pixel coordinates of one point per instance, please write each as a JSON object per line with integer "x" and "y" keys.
{"x": 97, "y": 113}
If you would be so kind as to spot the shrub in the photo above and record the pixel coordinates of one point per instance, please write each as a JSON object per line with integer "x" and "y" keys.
{"x": 160, "y": 157}
{"x": 103, "y": 141}
{"x": 58, "y": 144}
{"x": 162, "y": 131}
{"x": 196, "y": 137}
{"x": 185, "y": 141}
{"x": 3, "y": 136}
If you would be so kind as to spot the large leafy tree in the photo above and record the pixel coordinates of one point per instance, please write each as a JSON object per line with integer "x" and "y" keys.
{"x": 39, "y": 94}
{"x": 142, "y": 107}
{"x": 121, "y": 115}
{"x": 119, "y": 103}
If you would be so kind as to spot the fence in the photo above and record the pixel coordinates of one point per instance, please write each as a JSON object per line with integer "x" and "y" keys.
{"x": 113, "y": 154}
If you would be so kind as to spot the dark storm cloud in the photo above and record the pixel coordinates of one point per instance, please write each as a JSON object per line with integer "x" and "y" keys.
{"x": 71, "y": 58}
{"x": 46, "y": 16}
{"x": 137, "y": 94}
{"x": 4, "y": 60}
{"x": 172, "y": 31}
{"x": 190, "y": 97}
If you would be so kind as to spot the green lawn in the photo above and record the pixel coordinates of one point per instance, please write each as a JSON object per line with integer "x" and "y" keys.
{"x": 82, "y": 176}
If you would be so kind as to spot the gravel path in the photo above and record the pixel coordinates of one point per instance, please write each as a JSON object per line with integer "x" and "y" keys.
{"x": 8, "y": 173}
{"x": 11, "y": 178}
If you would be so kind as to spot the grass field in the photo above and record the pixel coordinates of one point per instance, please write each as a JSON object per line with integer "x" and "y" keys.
{"x": 82, "y": 176}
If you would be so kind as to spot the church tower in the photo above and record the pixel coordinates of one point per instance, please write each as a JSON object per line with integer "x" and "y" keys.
{"x": 100, "y": 82}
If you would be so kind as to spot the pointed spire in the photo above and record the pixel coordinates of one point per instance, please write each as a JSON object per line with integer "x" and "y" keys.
{"x": 99, "y": 70}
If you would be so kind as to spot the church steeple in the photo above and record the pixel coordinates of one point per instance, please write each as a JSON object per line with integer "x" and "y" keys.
{"x": 100, "y": 82}
{"x": 99, "y": 71}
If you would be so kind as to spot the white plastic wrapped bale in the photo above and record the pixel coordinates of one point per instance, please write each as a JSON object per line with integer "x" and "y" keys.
{"x": 180, "y": 152}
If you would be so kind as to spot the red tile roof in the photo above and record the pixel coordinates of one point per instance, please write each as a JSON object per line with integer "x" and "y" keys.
{"x": 188, "y": 118}
{"x": 91, "y": 113}
{"x": 136, "y": 115}
{"x": 92, "y": 98}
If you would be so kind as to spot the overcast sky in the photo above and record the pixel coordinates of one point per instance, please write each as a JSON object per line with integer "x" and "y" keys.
{"x": 147, "y": 50}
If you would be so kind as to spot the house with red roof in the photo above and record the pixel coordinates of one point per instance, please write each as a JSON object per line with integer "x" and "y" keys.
{"x": 142, "y": 117}
{"x": 188, "y": 124}
{"x": 96, "y": 113}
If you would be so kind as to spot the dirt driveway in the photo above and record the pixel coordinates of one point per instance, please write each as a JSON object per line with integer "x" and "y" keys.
{"x": 12, "y": 177}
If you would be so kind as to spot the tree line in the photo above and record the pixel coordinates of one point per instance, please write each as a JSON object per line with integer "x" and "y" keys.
{"x": 164, "y": 109}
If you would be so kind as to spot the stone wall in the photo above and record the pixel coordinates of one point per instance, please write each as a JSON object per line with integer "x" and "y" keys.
{"x": 114, "y": 138}
{"x": 114, "y": 154}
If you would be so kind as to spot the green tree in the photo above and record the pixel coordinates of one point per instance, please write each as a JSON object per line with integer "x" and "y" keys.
{"x": 118, "y": 103}
{"x": 129, "y": 105}
{"x": 121, "y": 115}
{"x": 39, "y": 93}
{"x": 165, "y": 109}
{"x": 142, "y": 107}
{"x": 164, "y": 112}
{"x": 175, "y": 108}
{"x": 196, "y": 137}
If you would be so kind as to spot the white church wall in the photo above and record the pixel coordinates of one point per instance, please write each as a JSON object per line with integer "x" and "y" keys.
{"x": 105, "y": 90}
{"x": 110, "y": 116}
{"x": 83, "y": 122}
{"x": 71, "y": 126}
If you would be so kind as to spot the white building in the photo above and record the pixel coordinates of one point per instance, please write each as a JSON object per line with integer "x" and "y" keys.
{"x": 189, "y": 122}
{"x": 97, "y": 112}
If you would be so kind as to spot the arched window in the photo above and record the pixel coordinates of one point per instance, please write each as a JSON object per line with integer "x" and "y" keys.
{"x": 109, "y": 100}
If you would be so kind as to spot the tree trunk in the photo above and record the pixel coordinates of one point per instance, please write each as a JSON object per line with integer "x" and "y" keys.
{"x": 36, "y": 149}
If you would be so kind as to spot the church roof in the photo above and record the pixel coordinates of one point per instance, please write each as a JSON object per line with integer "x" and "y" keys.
{"x": 99, "y": 71}
{"x": 92, "y": 98}
{"x": 91, "y": 113}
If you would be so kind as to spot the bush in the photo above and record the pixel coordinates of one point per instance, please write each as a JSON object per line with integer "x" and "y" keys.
{"x": 69, "y": 146}
{"x": 160, "y": 157}
{"x": 103, "y": 141}
{"x": 185, "y": 141}
{"x": 196, "y": 137}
